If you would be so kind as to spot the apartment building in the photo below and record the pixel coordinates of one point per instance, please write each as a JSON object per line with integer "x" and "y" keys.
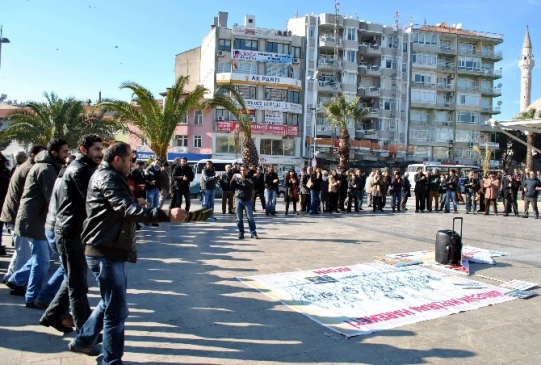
{"x": 361, "y": 59}
{"x": 454, "y": 81}
{"x": 265, "y": 67}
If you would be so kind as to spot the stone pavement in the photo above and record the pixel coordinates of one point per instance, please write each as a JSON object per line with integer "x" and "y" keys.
{"x": 186, "y": 307}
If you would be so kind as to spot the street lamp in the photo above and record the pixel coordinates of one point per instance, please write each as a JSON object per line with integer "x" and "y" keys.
{"x": 2, "y": 40}
{"x": 314, "y": 110}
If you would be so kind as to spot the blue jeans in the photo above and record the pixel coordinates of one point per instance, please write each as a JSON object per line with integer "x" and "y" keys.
{"x": 153, "y": 197}
{"x": 21, "y": 255}
{"x": 314, "y": 201}
{"x": 37, "y": 266}
{"x": 207, "y": 201}
{"x": 111, "y": 312}
{"x": 450, "y": 195}
{"x": 49, "y": 290}
{"x": 471, "y": 203}
{"x": 270, "y": 201}
{"x": 248, "y": 206}
{"x": 397, "y": 196}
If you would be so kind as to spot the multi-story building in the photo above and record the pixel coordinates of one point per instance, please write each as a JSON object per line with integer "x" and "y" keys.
{"x": 357, "y": 59}
{"x": 453, "y": 86}
{"x": 265, "y": 67}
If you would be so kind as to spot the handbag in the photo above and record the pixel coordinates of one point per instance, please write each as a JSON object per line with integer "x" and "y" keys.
{"x": 309, "y": 183}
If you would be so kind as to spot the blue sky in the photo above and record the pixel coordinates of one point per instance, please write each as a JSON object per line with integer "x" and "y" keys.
{"x": 77, "y": 48}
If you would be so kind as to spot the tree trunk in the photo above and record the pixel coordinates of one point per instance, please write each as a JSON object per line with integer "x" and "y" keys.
{"x": 529, "y": 157}
{"x": 343, "y": 147}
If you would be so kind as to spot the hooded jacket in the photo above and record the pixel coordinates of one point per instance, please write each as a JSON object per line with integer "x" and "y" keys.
{"x": 37, "y": 192}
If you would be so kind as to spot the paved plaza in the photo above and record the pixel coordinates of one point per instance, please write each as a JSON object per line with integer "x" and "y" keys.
{"x": 186, "y": 307}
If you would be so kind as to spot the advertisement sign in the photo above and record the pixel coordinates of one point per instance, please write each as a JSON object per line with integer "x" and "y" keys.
{"x": 274, "y": 117}
{"x": 248, "y": 79}
{"x": 276, "y": 129}
{"x": 281, "y": 106}
{"x": 241, "y": 54}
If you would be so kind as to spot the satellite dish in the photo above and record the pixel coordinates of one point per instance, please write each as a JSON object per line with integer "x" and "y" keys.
{"x": 499, "y": 103}
{"x": 500, "y": 84}
{"x": 459, "y": 25}
{"x": 438, "y": 24}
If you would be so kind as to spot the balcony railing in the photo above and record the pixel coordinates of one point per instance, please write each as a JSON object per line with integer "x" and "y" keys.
{"x": 447, "y": 49}
{"x": 446, "y": 66}
{"x": 492, "y": 54}
{"x": 491, "y": 90}
{"x": 445, "y": 104}
{"x": 467, "y": 88}
{"x": 328, "y": 63}
{"x": 444, "y": 86}
{"x": 330, "y": 39}
{"x": 423, "y": 84}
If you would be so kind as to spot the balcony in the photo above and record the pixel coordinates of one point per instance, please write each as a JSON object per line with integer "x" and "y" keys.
{"x": 367, "y": 27}
{"x": 423, "y": 84}
{"x": 492, "y": 91}
{"x": 442, "y": 86}
{"x": 329, "y": 20}
{"x": 423, "y": 103}
{"x": 492, "y": 73}
{"x": 491, "y": 109}
{"x": 446, "y": 66}
{"x": 369, "y": 70}
{"x": 327, "y": 85}
{"x": 368, "y": 49}
{"x": 474, "y": 89}
{"x": 491, "y": 145}
{"x": 495, "y": 55}
{"x": 328, "y": 41}
{"x": 328, "y": 63}
{"x": 444, "y": 48}
{"x": 445, "y": 104}
{"x": 370, "y": 91}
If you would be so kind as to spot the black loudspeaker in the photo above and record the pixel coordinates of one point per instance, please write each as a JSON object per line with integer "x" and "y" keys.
{"x": 449, "y": 245}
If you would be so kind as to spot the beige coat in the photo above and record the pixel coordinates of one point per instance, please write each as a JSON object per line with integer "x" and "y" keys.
{"x": 376, "y": 186}
{"x": 333, "y": 184}
{"x": 491, "y": 188}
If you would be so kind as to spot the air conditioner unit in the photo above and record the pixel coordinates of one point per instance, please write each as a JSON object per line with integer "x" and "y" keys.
{"x": 221, "y": 53}
{"x": 220, "y": 118}
{"x": 296, "y": 61}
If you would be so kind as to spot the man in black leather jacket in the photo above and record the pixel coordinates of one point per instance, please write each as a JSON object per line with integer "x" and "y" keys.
{"x": 70, "y": 214}
{"x": 109, "y": 238}
{"x": 181, "y": 177}
{"x": 243, "y": 186}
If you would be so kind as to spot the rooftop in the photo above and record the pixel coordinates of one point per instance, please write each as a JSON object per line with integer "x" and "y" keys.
{"x": 452, "y": 29}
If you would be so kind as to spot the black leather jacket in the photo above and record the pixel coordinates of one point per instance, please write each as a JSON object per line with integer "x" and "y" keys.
{"x": 71, "y": 196}
{"x": 109, "y": 230}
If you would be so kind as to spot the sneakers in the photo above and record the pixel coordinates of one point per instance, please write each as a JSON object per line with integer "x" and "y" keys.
{"x": 254, "y": 235}
{"x": 90, "y": 351}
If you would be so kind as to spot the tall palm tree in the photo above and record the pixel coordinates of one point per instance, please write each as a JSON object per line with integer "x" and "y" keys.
{"x": 38, "y": 123}
{"x": 228, "y": 97}
{"x": 530, "y": 137}
{"x": 148, "y": 119}
{"x": 340, "y": 109}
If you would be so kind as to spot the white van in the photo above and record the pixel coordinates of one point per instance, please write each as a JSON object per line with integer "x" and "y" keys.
{"x": 219, "y": 166}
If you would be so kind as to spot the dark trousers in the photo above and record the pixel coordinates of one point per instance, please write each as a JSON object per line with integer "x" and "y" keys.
{"x": 419, "y": 200}
{"x": 533, "y": 201}
{"x": 404, "y": 200}
{"x": 488, "y": 202}
{"x": 261, "y": 194}
{"x": 342, "y": 199}
{"x": 510, "y": 202}
{"x": 353, "y": 196}
{"x": 227, "y": 199}
{"x": 179, "y": 194}
{"x": 377, "y": 203}
{"x": 305, "y": 203}
{"x": 294, "y": 202}
{"x": 333, "y": 202}
{"x": 73, "y": 292}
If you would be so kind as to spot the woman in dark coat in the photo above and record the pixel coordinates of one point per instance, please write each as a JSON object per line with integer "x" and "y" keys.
{"x": 291, "y": 182}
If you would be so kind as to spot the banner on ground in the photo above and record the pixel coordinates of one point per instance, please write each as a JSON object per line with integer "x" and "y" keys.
{"x": 364, "y": 298}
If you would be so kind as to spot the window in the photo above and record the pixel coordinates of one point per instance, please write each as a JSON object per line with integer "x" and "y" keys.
{"x": 423, "y": 58}
{"x": 294, "y": 97}
{"x": 247, "y": 92}
{"x": 446, "y": 46}
{"x": 197, "y": 141}
{"x": 468, "y": 48}
{"x": 198, "y": 117}
{"x": 467, "y": 117}
{"x": 351, "y": 34}
{"x": 293, "y": 119}
{"x": 224, "y": 67}
{"x": 350, "y": 55}
{"x": 180, "y": 141}
{"x": 349, "y": 78}
{"x": 387, "y": 104}
{"x": 466, "y": 135}
{"x": 423, "y": 97}
{"x": 468, "y": 100}
{"x": 225, "y": 144}
{"x": 277, "y": 48}
{"x": 488, "y": 51}
{"x": 243, "y": 67}
{"x": 184, "y": 120}
{"x": 277, "y": 147}
{"x": 296, "y": 52}
{"x": 469, "y": 63}
{"x": 389, "y": 62}
{"x": 467, "y": 84}
{"x": 429, "y": 39}
{"x": 222, "y": 114}
{"x": 224, "y": 45}
{"x": 423, "y": 80}
{"x": 312, "y": 32}
{"x": 393, "y": 41}
{"x": 419, "y": 117}
{"x": 273, "y": 69}
{"x": 246, "y": 44}
{"x": 275, "y": 94}
{"x": 442, "y": 117}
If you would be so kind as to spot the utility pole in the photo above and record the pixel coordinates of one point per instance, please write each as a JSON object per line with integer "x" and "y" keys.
{"x": 2, "y": 40}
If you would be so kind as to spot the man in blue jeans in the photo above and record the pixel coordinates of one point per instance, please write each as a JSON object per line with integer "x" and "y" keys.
{"x": 109, "y": 239}
{"x": 315, "y": 190}
{"x": 209, "y": 179}
{"x": 452, "y": 183}
{"x": 244, "y": 186}
{"x": 271, "y": 185}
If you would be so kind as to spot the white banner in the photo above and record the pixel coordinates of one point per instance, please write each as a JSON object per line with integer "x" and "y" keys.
{"x": 248, "y": 79}
{"x": 274, "y": 117}
{"x": 241, "y": 54}
{"x": 281, "y": 106}
{"x": 364, "y": 298}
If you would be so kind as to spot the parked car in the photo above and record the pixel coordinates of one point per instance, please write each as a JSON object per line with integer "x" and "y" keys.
{"x": 195, "y": 190}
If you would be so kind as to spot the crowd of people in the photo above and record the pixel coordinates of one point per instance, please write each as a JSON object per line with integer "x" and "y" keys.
{"x": 83, "y": 210}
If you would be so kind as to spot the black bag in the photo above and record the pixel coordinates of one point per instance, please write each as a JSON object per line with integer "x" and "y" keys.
{"x": 449, "y": 245}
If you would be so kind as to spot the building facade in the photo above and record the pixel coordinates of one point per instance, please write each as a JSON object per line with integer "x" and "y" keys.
{"x": 265, "y": 67}
{"x": 357, "y": 59}
{"x": 454, "y": 81}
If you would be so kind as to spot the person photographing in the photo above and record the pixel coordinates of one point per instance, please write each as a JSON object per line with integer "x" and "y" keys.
{"x": 243, "y": 186}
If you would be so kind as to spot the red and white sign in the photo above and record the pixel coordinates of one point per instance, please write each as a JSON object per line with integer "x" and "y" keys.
{"x": 276, "y": 129}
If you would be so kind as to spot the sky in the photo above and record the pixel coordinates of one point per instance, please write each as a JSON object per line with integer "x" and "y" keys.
{"x": 81, "y": 47}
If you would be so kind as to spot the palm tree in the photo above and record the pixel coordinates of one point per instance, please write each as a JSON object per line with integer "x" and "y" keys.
{"x": 228, "y": 97}
{"x": 38, "y": 123}
{"x": 148, "y": 119}
{"x": 340, "y": 109}
{"x": 530, "y": 137}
